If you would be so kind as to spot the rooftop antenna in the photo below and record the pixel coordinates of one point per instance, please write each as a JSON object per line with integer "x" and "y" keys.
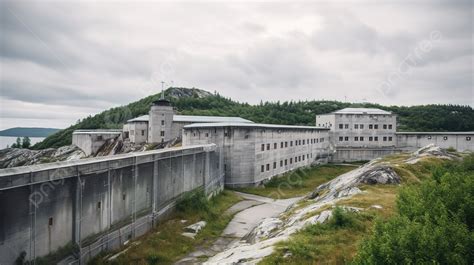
{"x": 162, "y": 89}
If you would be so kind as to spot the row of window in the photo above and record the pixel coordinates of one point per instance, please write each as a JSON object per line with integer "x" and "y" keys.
{"x": 371, "y": 126}
{"x": 285, "y": 162}
{"x": 296, "y": 142}
{"x": 361, "y": 138}
{"x": 468, "y": 138}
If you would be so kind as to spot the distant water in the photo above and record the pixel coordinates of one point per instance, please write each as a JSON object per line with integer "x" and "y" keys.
{"x": 8, "y": 141}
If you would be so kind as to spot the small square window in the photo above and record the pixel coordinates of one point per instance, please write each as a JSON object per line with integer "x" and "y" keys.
{"x": 356, "y": 126}
{"x": 468, "y": 138}
{"x": 346, "y": 126}
{"x": 385, "y": 138}
{"x": 341, "y": 126}
{"x": 429, "y": 137}
{"x": 346, "y": 138}
{"x": 376, "y": 138}
{"x": 356, "y": 138}
{"x": 390, "y": 126}
{"x": 371, "y": 126}
{"x": 385, "y": 126}
{"x": 390, "y": 138}
{"x": 361, "y": 126}
{"x": 445, "y": 138}
{"x": 361, "y": 138}
{"x": 376, "y": 126}
{"x": 370, "y": 139}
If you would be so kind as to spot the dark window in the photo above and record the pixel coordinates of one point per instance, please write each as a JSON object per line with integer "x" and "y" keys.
{"x": 468, "y": 138}
{"x": 390, "y": 126}
{"x": 385, "y": 126}
{"x": 124, "y": 196}
{"x": 286, "y": 144}
{"x": 162, "y": 133}
{"x": 268, "y": 167}
{"x": 429, "y": 137}
{"x": 390, "y": 138}
{"x": 370, "y": 139}
{"x": 207, "y": 134}
{"x": 274, "y": 165}
{"x": 291, "y": 160}
{"x": 346, "y": 126}
{"x": 356, "y": 126}
{"x": 98, "y": 205}
{"x": 143, "y": 132}
{"x": 99, "y": 138}
{"x": 371, "y": 126}
{"x": 362, "y": 126}
{"x": 50, "y": 221}
{"x": 346, "y": 138}
{"x": 268, "y": 146}
{"x": 376, "y": 126}
{"x": 361, "y": 138}
{"x": 291, "y": 143}
{"x": 281, "y": 146}
{"x": 304, "y": 142}
{"x": 445, "y": 138}
{"x": 356, "y": 138}
{"x": 263, "y": 147}
{"x": 281, "y": 163}
{"x": 376, "y": 138}
{"x": 162, "y": 122}
{"x": 385, "y": 138}
{"x": 275, "y": 146}
{"x": 341, "y": 126}
{"x": 286, "y": 162}
{"x": 262, "y": 168}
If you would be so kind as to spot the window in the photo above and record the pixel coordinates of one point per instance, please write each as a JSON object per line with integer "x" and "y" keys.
{"x": 162, "y": 133}
{"x": 281, "y": 146}
{"x": 385, "y": 138}
{"x": 162, "y": 122}
{"x": 361, "y": 126}
{"x": 341, "y": 139}
{"x": 356, "y": 126}
{"x": 268, "y": 167}
{"x": 445, "y": 138}
{"x": 291, "y": 143}
{"x": 143, "y": 132}
{"x": 303, "y": 157}
{"x": 98, "y": 205}
{"x": 318, "y": 140}
{"x": 207, "y": 134}
{"x": 346, "y": 138}
{"x": 468, "y": 138}
{"x": 390, "y": 138}
{"x": 275, "y": 146}
{"x": 346, "y": 126}
{"x": 376, "y": 126}
{"x": 281, "y": 163}
{"x": 371, "y": 126}
{"x": 50, "y": 221}
{"x": 341, "y": 126}
{"x": 124, "y": 196}
{"x": 262, "y": 168}
{"x": 299, "y": 142}
{"x": 376, "y": 138}
{"x": 390, "y": 126}
{"x": 268, "y": 146}
{"x": 274, "y": 165}
{"x": 286, "y": 162}
{"x": 263, "y": 147}
{"x": 286, "y": 144}
{"x": 291, "y": 160}
{"x": 361, "y": 138}
{"x": 99, "y": 138}
{"x": 385, "y": 126}
{"x": 356, "y": 138}
{"x": 303, "y": 142}
{"x": 429, "y": 137}
{"x": 370, "y": 138}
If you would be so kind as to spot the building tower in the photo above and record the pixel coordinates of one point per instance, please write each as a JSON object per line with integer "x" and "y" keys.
{"x": 160, "y": 121}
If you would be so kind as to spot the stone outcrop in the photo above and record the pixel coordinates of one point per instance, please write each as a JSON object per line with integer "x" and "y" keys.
{"x": 427, "y": 151}
{"x": 15, "y": 157}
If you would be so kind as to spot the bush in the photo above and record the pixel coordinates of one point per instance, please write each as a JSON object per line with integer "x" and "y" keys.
{"x": 341, "y": 218}
{"x": 193, "y": 201}
{"x": 434, "y": 223}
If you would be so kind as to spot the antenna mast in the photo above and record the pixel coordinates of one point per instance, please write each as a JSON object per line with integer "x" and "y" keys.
{"x": 162, "y": 89}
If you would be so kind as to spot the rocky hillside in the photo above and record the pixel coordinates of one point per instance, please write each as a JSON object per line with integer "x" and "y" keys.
{"x": 15, "y": 157}
{"x": 369, "y": 188}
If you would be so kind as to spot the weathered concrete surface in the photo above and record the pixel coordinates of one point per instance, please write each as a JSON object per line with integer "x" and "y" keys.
{"x": 97, "y": 204}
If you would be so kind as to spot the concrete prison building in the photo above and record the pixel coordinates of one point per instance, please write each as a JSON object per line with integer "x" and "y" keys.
{"x": 254, "y": 152}
{"x": 162, "y": 124}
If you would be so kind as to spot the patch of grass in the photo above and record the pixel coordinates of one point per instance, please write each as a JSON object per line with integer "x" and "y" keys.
{"x": 166, "y": 245}
{"x": 298, "y": 182}
{"x": 334, "y": 242}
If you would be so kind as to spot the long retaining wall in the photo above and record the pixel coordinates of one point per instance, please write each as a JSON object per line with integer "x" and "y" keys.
{"x": 87, "y": 206}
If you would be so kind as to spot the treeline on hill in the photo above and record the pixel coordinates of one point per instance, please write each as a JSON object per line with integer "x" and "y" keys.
{"x": 415, "y": 118}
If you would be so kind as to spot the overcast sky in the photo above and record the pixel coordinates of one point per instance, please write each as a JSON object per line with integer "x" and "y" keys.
{"x": 63, "y": 61}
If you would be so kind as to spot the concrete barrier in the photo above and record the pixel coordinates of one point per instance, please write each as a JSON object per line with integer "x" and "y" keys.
{"x": 87, "y": 206}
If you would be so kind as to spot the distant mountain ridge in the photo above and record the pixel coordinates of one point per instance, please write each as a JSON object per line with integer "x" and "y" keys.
{"x": 193, "y": 101}
{"x": 28, "y": 132}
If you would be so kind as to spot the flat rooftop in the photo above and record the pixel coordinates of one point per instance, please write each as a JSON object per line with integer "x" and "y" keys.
{"x": 196, "y": 119}
{"x": 251, "y": 125}
{"x": 437, "y": 133}
{"x": 370, "y": 111}
{"x": 98, "y": 131}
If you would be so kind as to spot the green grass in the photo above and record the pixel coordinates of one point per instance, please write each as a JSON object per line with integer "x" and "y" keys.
{"x": 299, "y": 182}
{"x": 333, "y": 242}
{"x": 166, "y": 245}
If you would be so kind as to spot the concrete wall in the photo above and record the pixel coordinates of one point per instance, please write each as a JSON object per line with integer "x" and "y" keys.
{"x": 243, "y": 155}
{"x": 90, "y": 141}
{"x": 98, "y": 203}
{"x": 362, "y": 154}
{"x": 461, "y": 141}
{"x": 138, "y": 132}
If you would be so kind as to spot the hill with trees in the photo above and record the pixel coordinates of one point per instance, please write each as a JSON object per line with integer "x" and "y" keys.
{"x": 198, "y": 102}
{"x": 28, "y": 132}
